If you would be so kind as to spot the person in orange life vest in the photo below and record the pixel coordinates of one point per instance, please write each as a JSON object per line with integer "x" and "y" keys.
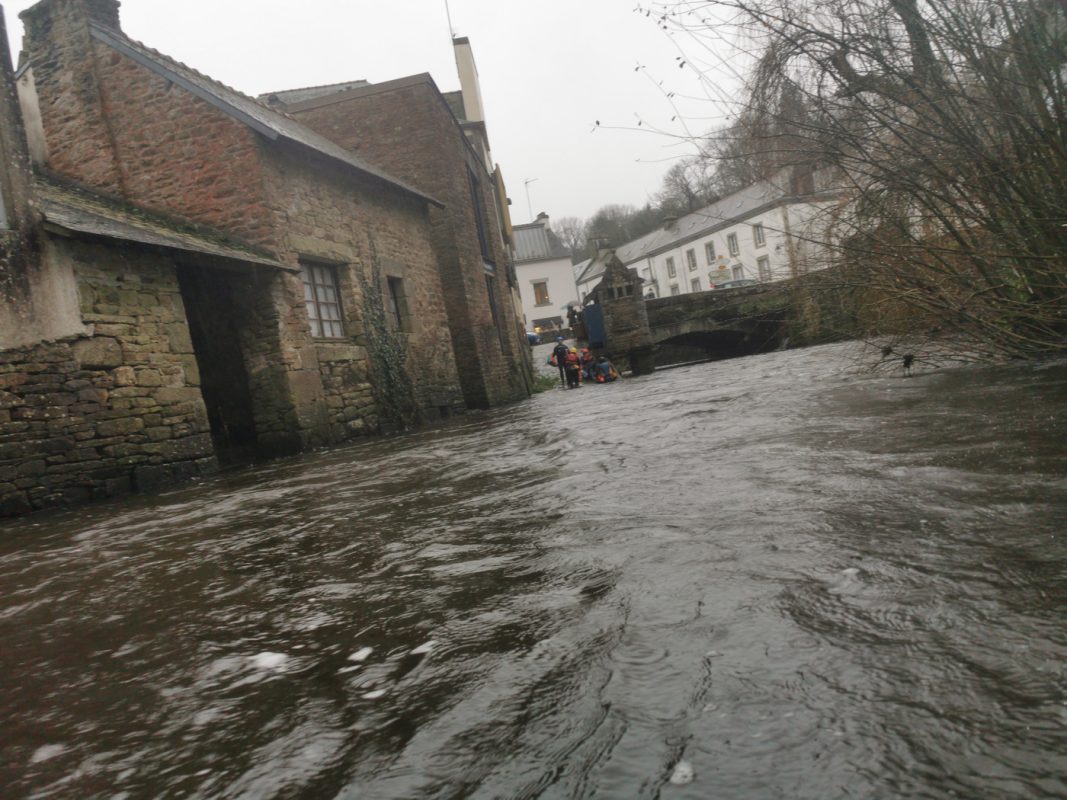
{"x": 588, "y": 362}
{"x": 573, "y": 364}
{"x": 604, "y": 371}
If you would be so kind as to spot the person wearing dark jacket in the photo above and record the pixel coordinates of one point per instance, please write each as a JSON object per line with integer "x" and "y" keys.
{"x": 559, "y": 355}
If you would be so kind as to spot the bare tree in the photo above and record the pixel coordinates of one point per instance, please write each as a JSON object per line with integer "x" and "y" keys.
{"x": 946, "y": 120}
{"x": 571, "y": 231}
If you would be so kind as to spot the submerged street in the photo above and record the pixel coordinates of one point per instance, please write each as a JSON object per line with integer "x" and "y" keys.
{"x": 782, "y": 576}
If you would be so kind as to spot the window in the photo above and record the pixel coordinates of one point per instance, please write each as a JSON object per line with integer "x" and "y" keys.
{"x": 709, "y": 252}
{"x": 541, "y": 293}
{"x": 763, "y": 264}
{"x": 757, "y": 235}
{"x": 479, "y": 217}
{"x": 695, "y": 284}
{"x": 731, "y": 243}
{"x": 674, "y": 289}
{"x": 691, "y": 260}
{"x": 322, "y": 301}
{"x": 396, "y": 303}
{"x": 490, "y": 288}
{"x": 671, "y": 271}
{"x": 739, "y": 273}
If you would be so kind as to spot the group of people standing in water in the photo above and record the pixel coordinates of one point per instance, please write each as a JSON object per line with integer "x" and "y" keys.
{"x": 576, "y": 367}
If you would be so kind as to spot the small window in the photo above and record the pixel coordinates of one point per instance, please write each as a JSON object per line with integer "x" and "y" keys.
{"x": 322, "y": 300}
{"x": 541, "y": 293}
{"x": 674, "y": 289}
{"x": 479, "y": 217}
{"x": 397, "y": 303}
{"x": 671, "y": 271}
{"x": 757, "y": 235}
{"x": 731, "y": 243}
{"x": 739, "y": 273}
{"x": 763, "y": 264}
{"x": 694, "y": 285}
{"x": 709, "y": 252}
{"x": 691, "y": 260}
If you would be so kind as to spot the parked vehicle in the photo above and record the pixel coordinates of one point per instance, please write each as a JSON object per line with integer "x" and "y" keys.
{"x": 734, "y": 284}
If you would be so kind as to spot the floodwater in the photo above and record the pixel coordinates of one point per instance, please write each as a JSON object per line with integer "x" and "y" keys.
{"x": 773, "y": 577}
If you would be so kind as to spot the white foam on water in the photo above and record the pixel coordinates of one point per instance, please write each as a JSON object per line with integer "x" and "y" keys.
{"x": 682, "y": 774}
{"x": 269, "y": 661}
{"x": 362, "y": 654}
{"x": 46, "y": 752}
{"x": 375, "y": 694}
{"x": 424, "y": 648}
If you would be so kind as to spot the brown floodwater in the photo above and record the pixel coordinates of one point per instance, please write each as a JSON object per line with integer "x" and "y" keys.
{"x": 771, "y": 577}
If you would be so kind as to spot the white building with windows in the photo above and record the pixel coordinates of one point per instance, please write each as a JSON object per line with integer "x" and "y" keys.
{"x": 545, "y": 276}
{"x": 762, "y": 233}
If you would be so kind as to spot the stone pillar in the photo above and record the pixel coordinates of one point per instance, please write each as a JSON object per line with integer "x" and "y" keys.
{"x": 628, "y": 340}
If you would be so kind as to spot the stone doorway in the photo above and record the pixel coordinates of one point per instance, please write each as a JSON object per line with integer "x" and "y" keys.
{"x": 211, "y": 310}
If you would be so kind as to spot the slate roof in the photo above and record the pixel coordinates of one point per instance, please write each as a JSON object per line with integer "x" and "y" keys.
{"x": 293, "y": 96}
{"x": 723, "y": 213}
{"x": 535, "y": 242}
{"x": 265, "y": 121}
{"x": 82, "y": 212}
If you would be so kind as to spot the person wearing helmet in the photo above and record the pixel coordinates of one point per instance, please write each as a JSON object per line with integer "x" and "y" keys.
{"x": 588, "y": 363}
{"x": 573, "y": 363}
{"x": 559, "y": 355}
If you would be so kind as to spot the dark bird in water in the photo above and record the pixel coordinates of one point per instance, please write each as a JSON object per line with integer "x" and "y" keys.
{"x": 908, "y": 360}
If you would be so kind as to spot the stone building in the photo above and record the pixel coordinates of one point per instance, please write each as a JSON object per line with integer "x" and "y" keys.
{"x": 444, "y": 151}
{"x": 193, "y": 277}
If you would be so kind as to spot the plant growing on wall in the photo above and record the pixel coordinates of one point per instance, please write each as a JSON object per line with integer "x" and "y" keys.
{"x": 386, "y": 351}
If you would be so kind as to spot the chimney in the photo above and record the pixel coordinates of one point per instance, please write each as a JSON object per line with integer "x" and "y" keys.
{"x": 63, "y": 58}
{"x": 469, "y": 85}
{"x": 103, "y": 12}
{"x": 542, "y": 218}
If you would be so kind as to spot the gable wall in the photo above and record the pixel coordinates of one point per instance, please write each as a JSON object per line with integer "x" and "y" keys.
{"x": 409, "y": 132}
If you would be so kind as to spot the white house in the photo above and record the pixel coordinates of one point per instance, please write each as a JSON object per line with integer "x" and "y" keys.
{"x": 545, "y": 276}
{"x": 762, "y": 233}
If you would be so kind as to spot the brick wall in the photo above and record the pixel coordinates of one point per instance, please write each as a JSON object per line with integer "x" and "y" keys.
{"x": 90, "y": 416}
{"x": 406, "y": 129}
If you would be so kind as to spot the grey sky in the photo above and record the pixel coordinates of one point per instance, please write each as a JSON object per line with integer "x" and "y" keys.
{"x": 549, "y": 70}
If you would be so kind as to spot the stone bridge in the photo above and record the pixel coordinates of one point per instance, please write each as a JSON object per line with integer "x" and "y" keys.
{"x": 721, "y": 323}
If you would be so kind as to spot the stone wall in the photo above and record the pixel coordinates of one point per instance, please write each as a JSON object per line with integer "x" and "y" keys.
{"x": 119, "y": 409}
{"x": 406, "y": 128}
{"x": 369, "y": 236}
{"x": 118, "y": 128}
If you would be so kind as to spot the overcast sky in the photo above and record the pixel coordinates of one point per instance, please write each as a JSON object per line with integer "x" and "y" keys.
{"x": 549, "y": 71}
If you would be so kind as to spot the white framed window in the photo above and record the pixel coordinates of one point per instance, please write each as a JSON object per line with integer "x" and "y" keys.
{"x": 731, "y": 244}
{"x": 758, "y": 237}
{"x": 322, "y": 301}
{"x": 675, "y": 290}
{"x": 671, "y": 270}
{"x": 694, "y": 285}
{"x": 691, "y": 260}
{"x": 709, "y": 252}
{"x": 763, "y": 265}
{"x": 739, "y": 273}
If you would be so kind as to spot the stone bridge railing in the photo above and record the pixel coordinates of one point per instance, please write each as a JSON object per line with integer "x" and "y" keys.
{"x": 742, "y": 310}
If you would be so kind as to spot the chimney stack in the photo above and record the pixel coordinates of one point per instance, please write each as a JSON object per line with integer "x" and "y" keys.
{"x": 38, "y": 17}
{"x": 542, "y": 218}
